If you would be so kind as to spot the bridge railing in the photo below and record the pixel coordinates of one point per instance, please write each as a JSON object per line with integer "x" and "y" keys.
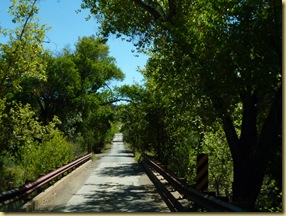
{"x": 16, "y": 194}
{"x": 208, "y": 202}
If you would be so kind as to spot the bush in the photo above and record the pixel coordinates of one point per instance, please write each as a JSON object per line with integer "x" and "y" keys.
{"x": 50, "y": 154}
{"x": 28, "y": 148}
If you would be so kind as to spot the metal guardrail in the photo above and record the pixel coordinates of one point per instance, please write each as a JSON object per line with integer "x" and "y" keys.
{"x": 211, "y": 203}
{"x": 22, "y": 192}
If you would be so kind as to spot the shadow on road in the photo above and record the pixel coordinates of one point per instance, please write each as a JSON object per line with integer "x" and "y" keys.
{"x": 119, "y": 155}
{"x": 128, "y": 169}
{"x": 117, "y": 198}
{"x": 126, "y": 151}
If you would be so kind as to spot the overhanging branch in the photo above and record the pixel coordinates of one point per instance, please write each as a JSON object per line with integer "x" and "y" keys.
{"x": 148, "y": 8}
{"x": 115, "y": 100}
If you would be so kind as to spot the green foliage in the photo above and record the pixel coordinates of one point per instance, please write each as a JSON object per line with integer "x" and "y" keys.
{"x": 88, "y": 113}
{"x": 270, "y": 198}
{"x": 146, "y": 127}
{"x": 77, "y": 92}
{"x": 52, "y": 153}
{"x": 28, "y": 148}
{"x": 220, "y": 162}
{"x": 22, "y": 56}
{"x": 114, "y": 128}
{"x": 52, "y": 108}
{"x": 94, "y": 64}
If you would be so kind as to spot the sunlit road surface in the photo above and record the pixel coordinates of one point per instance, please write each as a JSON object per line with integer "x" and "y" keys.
{"x": 118, "y": 184}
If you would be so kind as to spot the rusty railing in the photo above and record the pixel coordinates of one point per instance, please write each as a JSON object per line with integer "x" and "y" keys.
{"x": 208, "y": 202}
{"x": 16, "y": 194}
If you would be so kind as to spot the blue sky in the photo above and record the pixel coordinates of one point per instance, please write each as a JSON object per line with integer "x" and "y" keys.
{"x": 67, "y": 25}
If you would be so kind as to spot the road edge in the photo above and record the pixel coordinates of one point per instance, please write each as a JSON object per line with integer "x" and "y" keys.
{"x": 34, "y": 203}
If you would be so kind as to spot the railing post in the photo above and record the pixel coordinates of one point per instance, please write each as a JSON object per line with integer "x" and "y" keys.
{"x": 202, "y": 178}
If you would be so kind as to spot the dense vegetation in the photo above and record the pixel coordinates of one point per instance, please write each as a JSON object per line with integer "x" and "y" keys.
{"x": 213, "y": 85}
{"x": 52, "y": 107}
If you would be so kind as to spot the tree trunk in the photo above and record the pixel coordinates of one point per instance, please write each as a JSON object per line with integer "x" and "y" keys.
{"x": 243, "y": 182}
{"x": 251, "y": 154}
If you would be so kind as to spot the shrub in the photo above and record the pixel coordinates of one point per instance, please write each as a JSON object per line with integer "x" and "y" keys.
{"x": 28, "y": 148}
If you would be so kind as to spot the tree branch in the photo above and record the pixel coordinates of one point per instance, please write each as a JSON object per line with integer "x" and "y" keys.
{"x": 27, "y": 20}
{"x": 228, "y": 126}
{"x": 115, "y": 100}
{"x": 148, "y": 8}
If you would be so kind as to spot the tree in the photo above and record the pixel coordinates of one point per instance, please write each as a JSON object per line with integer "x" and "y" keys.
{"x": 96, "y": 68}
{"x": 24, "y": 140}
{"x": 22, "y": 56}
{"x": 49, "y": 102}
{"x": 212, "y": 52}
{"x": 75, "y": 91}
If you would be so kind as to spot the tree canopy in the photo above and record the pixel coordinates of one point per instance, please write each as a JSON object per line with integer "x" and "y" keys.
{"x": 219, "y": 60}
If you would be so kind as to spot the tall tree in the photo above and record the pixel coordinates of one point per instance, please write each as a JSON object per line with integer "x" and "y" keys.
{"x": 223, "y": 53}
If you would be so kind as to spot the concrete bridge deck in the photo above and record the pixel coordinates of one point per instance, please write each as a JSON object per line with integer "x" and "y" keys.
{"x": 114, "y": 183}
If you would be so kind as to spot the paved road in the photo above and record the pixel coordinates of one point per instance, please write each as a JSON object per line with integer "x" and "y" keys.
{"x": 116, "y": 184}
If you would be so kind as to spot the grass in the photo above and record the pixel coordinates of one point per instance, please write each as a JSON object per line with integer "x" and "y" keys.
{"x": 106, "y": 147}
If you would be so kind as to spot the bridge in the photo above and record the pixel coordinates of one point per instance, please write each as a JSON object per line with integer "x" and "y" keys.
{"x": 115, "y": 182}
